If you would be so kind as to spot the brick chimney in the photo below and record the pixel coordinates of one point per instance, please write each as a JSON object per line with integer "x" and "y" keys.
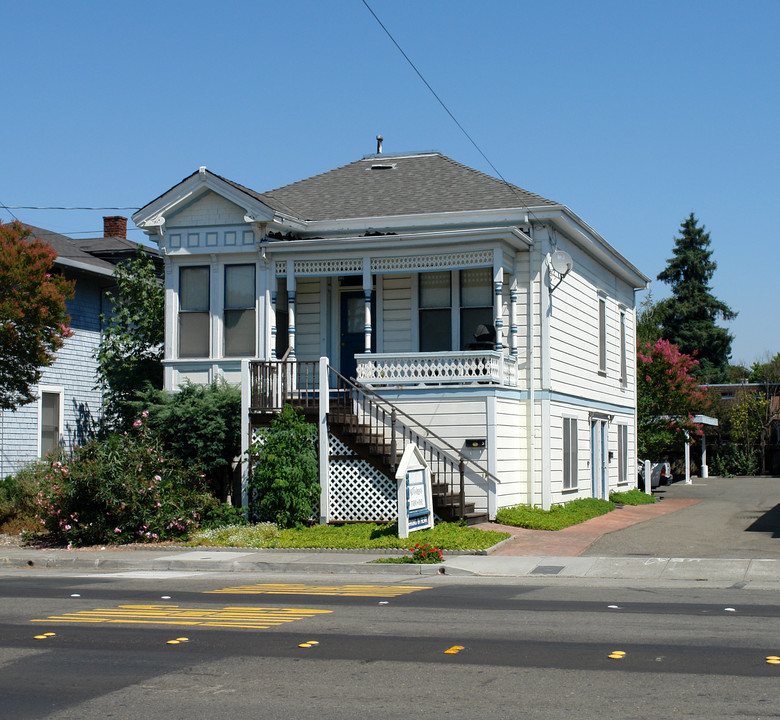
{"x": 115, "y": 226}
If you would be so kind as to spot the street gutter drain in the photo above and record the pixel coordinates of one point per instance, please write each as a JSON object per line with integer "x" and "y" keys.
{"x": 547, "y": 570}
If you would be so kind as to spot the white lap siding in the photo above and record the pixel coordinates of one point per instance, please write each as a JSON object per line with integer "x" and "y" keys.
{"x": 397, "y": 313}
{"x": 307, "y": 319}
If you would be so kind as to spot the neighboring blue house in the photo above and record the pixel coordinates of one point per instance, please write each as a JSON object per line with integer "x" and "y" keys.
{"x": 68, "y": 404}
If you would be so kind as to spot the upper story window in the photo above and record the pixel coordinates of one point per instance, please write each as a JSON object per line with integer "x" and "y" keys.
{"x": 435, "y": 311}
{"x": 602, "y": 334}
{"x": 623, "y": 348}
{"x": 456, "y": 305}
{"x": 194, "y": 308}
{"x": 239, "y": 320}
{"x": 476, "y": 309}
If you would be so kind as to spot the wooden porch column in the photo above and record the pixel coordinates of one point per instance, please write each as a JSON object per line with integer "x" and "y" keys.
{"x": 513, "y": 330}
{"x": 274, "y": 315}
{"x": 291, "y": 308}
{"x": 367, "y": 289}
{"x": 498, "y": 301}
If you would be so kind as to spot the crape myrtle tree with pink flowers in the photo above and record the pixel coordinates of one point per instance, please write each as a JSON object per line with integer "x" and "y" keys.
{"x": 668, "y": 397}
{"x": 33, "y": 315}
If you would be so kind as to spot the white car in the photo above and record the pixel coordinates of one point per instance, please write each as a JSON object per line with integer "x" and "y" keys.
{"x": 660, "y": 474}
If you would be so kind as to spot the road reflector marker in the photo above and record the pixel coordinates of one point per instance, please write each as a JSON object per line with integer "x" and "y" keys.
{"x": 75, "y": 595}
{"x": 454, "y": 650}
{"x": 618, "y": 652}
{"x": 41, "y": 637}
{"x": 615, "y": 656}
{"x": 729, "y": 609}
{"x": 183, "y": 639}
{"x": 49, "y": 634}
{"x": 773, "y": 660}
{"x": 173, "y": 642}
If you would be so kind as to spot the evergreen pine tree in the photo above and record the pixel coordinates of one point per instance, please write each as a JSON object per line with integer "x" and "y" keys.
{"x": 691, "y": 312}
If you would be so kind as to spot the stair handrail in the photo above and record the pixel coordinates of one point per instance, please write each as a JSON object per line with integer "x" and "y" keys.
{"x": 425, "y": 432}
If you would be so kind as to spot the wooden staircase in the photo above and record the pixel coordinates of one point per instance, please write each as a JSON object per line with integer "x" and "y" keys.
{"x": 372, "y": 445}
{"x": 369, "y": 425}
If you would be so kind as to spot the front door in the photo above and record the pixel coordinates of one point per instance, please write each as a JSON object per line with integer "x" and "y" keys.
{"x": 353, "y": 330}
{"x": 598, "y": 445}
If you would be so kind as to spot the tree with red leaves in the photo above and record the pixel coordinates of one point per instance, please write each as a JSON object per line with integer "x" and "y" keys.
{"x": 33, "y": 316}
{"x": 668, "y": 397}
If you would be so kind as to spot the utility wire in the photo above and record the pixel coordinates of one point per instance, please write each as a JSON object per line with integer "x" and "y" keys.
{"x": 446, "y": 109}
{"x": 51, "y": 207}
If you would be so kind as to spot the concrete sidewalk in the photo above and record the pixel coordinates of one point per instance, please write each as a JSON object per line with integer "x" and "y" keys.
{"x": 527, "y": 554}
{"x": 338, "y": 562}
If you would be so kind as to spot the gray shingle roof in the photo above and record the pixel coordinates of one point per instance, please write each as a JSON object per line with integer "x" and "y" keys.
{"x": 66, "y": 247}
{"x": 389, "y": 185}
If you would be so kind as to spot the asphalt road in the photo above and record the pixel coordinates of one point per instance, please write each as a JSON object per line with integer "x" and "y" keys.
{"x": 222, "y": 646}
{"x": 735, "y": 518}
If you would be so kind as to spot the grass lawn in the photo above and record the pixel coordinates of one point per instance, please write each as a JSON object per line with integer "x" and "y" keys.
{"x": 445, "y": 536}
{"x": 631, "y": 497}
{"x": 557, "y": 517}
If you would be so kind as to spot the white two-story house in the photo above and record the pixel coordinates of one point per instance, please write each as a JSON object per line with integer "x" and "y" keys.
{"x": 409, "y": 297}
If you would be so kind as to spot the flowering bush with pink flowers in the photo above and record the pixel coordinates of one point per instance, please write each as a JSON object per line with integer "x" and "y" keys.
{"x": 122, "y": 489}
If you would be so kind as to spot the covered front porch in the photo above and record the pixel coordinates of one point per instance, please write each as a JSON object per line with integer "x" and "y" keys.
{"x": 448, "y": 406}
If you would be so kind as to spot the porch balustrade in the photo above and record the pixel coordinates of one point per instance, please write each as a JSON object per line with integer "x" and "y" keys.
{"x": 446, "y": 368}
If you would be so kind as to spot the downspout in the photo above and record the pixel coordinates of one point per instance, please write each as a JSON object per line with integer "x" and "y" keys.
{"x": 531, "y": 375}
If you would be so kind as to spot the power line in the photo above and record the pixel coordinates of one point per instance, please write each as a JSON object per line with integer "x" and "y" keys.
{"x": 52, "y": 207}
{"x": 446, "y": 109}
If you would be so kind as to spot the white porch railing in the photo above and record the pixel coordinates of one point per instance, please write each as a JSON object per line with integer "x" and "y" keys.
{"x": 444, "y": 368}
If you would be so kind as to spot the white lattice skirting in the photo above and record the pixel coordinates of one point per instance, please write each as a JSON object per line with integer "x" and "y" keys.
{"x": 358, "y": 492}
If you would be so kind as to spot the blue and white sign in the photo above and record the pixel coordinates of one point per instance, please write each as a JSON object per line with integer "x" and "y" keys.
{"x": 415, "y": 503}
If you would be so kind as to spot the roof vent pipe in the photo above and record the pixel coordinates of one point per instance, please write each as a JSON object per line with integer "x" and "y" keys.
{"x": 379, "y": 140}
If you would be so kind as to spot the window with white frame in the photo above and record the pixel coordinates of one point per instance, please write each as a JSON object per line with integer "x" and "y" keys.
{"x": 194, "y": 309}
{"x": 622, "y": 431}
{"x": 50, "y": 424}
{"x": 570, "y": 463}
{"x": 602, "y": 334}
{"x": 239, "y": 319}
{"x": 458, "y": 304}
{"x": 435, "y": 311}
{"x": 476, "y": 307}
{"x": 623, "y": 361}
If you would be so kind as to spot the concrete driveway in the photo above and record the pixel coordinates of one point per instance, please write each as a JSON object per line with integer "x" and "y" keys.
{"x": 734, "y": 518}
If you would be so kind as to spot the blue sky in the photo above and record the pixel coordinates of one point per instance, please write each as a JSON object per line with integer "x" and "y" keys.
{"x": 633, "y": 114}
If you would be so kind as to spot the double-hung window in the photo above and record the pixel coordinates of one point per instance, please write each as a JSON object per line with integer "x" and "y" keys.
{"x": 239, "y": 320}
{"x": 50, "y": 429}
{"x": 476, "y": 306}
{"x": 569, "y": 453}
{"x": 623, "y": 362}
{"x": 622, "y": 431}
{"x": 602, "y": 334}
{"x": 435, "y": 311}
{"x": 194, "y": 311}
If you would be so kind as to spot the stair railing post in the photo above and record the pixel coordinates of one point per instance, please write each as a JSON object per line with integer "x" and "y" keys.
{"x": 393, "y": 441}
{"x": 462, "y": 494}
{"x": 324, "y": 442}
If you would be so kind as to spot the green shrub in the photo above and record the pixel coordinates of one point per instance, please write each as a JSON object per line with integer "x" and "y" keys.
{"x": 121, "y": 489}
{"x": 284, "y": 480}
{"x": 18, "y": 506}
{"x": 631, "y": 497}
{"x": 732, "y": 460}
{"x": 199, "y": 424}
{"x": 557, "y": 517}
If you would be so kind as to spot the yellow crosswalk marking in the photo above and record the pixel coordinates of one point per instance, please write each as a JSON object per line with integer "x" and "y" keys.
{"x": 335, "y": 590}
{"x": 256, "y": 618}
